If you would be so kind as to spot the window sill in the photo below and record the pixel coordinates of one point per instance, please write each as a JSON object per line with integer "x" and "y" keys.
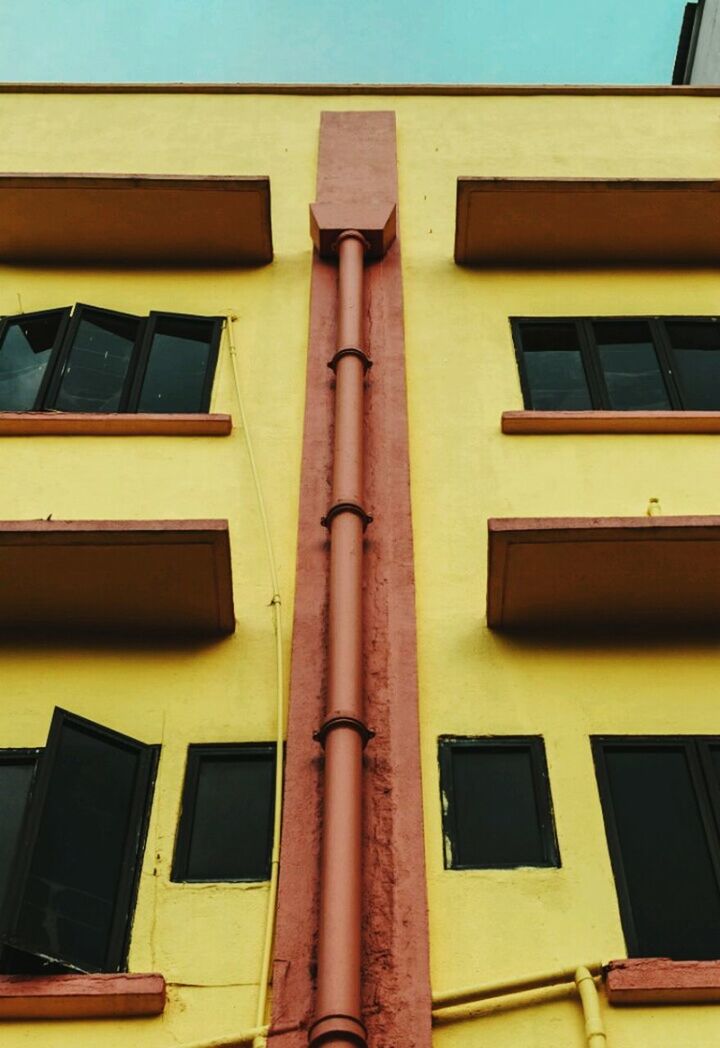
{"x": 76, "y": 424}
{"x": 658, "y": 980}
{"x": 522, "y": 423}
{"x": 110, "y": 996}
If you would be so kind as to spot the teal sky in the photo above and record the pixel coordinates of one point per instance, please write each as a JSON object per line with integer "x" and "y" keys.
{"x": 400, "y": 41}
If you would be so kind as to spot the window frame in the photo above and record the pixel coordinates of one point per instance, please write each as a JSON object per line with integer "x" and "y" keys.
{"x": 132, "y": 387}
{"x": 597, "y": 389}
{"x": 79, "y": 310}
{"x": 707, "y": 792}
{"x": 20, "y": 754}
{"x": 144, "y": 346}
{"x": 186, "y": 816}
{"x": 65, "y": 319}
{"x": 117, "y": 947}
{"x": 14, "y": 755}
{"x": 544, "y": 809}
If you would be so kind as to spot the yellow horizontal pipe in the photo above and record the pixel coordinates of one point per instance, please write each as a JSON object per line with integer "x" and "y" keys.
{"x": 492, "y": 1005}
{"x": 501, "y": 989}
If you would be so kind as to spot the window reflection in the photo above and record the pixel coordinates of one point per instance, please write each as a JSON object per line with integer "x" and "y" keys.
{"x": 24, "y": 356}
{"x": 177, "y": 366}
{"x": 96, "y": 368}
{"x": 696, "y": 346}
{"x": 630, "y": 367}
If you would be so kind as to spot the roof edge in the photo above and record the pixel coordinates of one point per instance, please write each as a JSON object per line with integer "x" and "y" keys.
{"x": 676, "y": 90}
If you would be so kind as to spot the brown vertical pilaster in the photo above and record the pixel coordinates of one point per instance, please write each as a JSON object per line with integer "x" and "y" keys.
{"x": 357, "y": 169}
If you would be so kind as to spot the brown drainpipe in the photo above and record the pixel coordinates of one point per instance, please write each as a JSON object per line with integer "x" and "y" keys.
{"x": 344, "y": 734}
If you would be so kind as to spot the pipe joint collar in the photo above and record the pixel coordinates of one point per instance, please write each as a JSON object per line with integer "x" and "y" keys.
{"x": 337, "y": 1027}
{"x": 350, "y": 351}
{"x": 341, "y": 719}
{"x": 346, "y": 507}
{"x": 351, "y": 234}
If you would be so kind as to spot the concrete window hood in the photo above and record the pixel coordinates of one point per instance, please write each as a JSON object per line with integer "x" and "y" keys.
{"x": 135, "y": 219}
{"x": 586, "y": 221}
{"x": 110, "y": 576}
{"x": 590, "y": 573}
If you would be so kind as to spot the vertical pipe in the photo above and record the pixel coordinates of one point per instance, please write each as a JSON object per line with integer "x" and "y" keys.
{"x": 594, "y": 1029}
{"x": 338, "y": 1022}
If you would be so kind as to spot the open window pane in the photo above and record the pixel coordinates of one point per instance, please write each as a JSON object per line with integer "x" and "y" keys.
{"x": 713, "y": 750}
{"x": 71, "y": 890}
{"x": 630, "y": 366}
{"x": 179, "y": 365}
{"x": 16, "y": 773}
{"x": 663, "y": 848}
{"x": 554, "y": 371}
{"x": 496, "y": 803}
{"x": 696, "y": 352}
{"x": 226, "y": 825}
{"x": 95, "y": 368}
{"x": 26, "y": 346}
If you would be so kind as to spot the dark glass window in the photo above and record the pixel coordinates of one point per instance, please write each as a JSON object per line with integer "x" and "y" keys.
{"x": 696, "y": 352}
{"x": 496, "y": 804}
{"x": 619, "y": 364}
{"x": 630, "y": 366}
{"x": 27, "y": 345}
{"x": 554, "y": 368}
{"x": 178, "y": 364}
{"x": 102, "y": 361}
{"x": 17, "y": 768}
{"x": 660, "y": 803}
{"x": 226, "y": 825}
{"x": 93, "y": 373}
{"x": 71, "y": 888}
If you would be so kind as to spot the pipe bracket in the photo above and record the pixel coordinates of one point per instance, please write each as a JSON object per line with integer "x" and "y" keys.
{"x": 350, "y": 351}
{"x": 331, "y": 1027}
{"x": 341, "y": 719}
{"x": 346, "y": 507}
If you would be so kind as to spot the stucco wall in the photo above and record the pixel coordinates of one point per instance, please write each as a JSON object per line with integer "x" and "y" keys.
{"x": 485, "y": 925}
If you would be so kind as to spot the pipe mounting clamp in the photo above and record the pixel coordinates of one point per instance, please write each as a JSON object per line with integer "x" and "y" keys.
{"x": 346, "y": 507}
{"x": 330, "y": 1027}
{"x": 350, "y": 351}
{"x": 341, "y": 719}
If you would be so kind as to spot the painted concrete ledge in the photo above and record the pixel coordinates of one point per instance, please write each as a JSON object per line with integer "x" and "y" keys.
{"x": 125, "y": 219}
{"x": 548, "y": 423}
{"x": 586, "y": 221}
{"x": 81, "y": 996}
{"x": 597, "y": 573}
{"x": 658, "y": 980}
{"x": 171, "y": 577}
{"x": 81, "y": 424}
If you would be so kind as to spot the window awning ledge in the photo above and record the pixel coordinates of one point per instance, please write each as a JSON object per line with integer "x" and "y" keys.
{"x": 586, "y": 221}
{"x": 658, "y": 980}
{"x": 137, "y": 576}
{"x": 587, "y": 573}
{"x": 135, "y": 219}
{"x": 81, "y": 996}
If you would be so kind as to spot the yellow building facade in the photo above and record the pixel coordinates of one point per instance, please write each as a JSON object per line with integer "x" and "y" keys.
{"x": 486, "y": 926}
